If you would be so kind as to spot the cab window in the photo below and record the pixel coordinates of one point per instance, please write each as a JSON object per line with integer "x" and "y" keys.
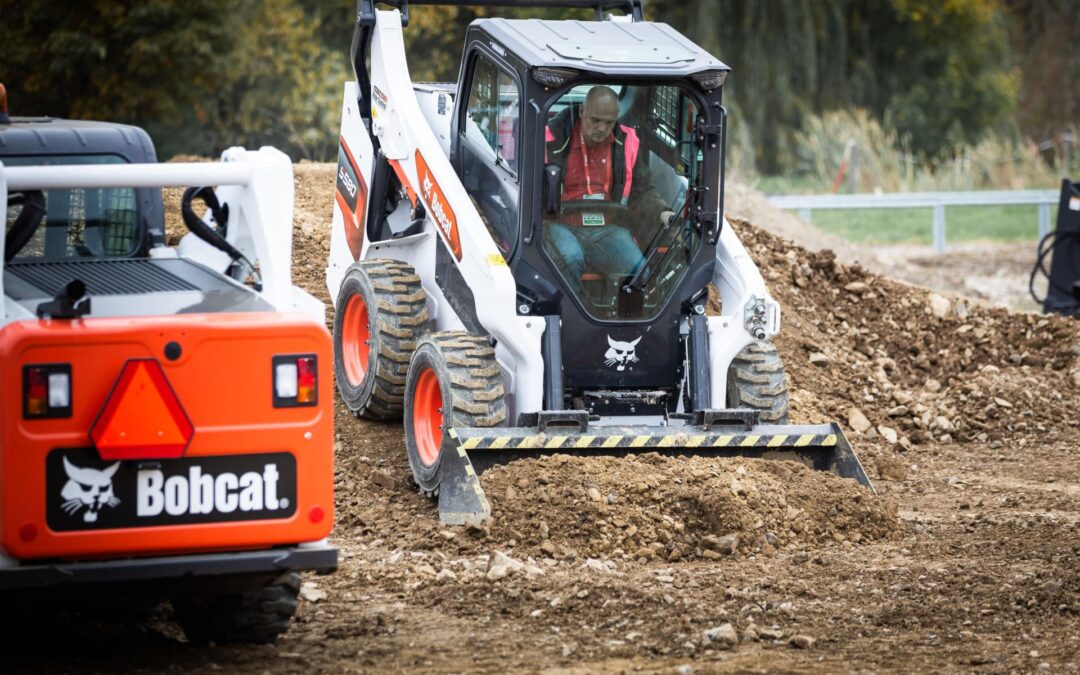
{"x": 488, "y": 149}
{"x": 78, "y": 223}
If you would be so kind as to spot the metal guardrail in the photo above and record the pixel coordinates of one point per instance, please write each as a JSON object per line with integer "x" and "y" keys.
{"x": 806, "y": 204}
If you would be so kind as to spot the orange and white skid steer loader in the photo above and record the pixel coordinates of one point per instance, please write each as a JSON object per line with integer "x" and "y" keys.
{"x": 520, "y": 260}
{"x": 167, "y": 412}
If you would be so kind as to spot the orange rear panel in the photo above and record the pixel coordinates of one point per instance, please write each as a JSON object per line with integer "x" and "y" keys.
{"x": 251, "y": 476}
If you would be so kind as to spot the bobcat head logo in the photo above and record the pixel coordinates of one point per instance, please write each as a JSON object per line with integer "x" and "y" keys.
{"x": 88, "y": 489}
{"x": 620, "y": 354}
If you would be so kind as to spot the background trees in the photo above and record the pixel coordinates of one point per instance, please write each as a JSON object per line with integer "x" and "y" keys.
{"x": 200, "y": 75}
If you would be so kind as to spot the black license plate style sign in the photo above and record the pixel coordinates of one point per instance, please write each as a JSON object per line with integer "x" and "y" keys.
{"x": 85, "y": 493}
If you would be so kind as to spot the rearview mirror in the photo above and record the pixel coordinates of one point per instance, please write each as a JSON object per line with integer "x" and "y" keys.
{"x": 552, "y": 188}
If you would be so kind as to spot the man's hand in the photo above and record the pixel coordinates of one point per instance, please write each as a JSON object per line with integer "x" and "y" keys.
{"x": 665, "y": 217}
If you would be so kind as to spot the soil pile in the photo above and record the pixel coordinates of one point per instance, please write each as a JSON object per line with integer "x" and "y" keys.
{"x": 656, "y": 507}
{"x": 903, "y": 366}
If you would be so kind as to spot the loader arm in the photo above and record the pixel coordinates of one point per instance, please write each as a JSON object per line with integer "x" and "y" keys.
{"x": 401, "y": 132}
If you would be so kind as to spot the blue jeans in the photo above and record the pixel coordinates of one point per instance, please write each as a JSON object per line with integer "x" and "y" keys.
{"x": 606, "y": 249}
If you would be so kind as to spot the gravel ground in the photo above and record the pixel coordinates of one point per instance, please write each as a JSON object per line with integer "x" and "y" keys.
{"x": 967, "y": 559}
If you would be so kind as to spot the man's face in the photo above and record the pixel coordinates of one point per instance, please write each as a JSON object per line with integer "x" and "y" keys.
{"x": 598, "y": 119}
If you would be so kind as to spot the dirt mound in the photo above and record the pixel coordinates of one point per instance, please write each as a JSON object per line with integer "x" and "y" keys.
{"x": 652, "y": 507}
{"x": 903, "y": 366}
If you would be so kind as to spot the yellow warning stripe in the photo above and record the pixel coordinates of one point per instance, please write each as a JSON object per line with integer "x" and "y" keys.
{"x": 532, "y": 442}
{"x": 586, "y": 441}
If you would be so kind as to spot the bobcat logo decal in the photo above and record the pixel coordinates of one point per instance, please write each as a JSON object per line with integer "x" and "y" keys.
{"x": 89, "y": 489}
{"x": 620, "y": 354}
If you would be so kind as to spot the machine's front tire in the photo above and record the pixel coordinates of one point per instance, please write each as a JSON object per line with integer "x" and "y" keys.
{"x": 756, "y": 381}
{"x": 381, "y": 312}
{"x": 258, "y": 615}
{"x": 453, "y": 381}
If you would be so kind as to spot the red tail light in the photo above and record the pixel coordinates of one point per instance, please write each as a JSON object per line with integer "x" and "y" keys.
{"x": 307, "y": 380}
{"x": 47, "y": 391}
{"x": 296, "y": 380}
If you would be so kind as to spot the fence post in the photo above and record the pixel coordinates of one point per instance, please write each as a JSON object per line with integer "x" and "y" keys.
{"x": 939, "y": 228}
{"x": 1044, "y": 220}
{"x": 805, "y": 215}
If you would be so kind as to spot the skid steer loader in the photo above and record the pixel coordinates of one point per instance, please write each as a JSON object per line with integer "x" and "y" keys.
{"x": 456, "y": 305}
{"x": 166, "y": 422}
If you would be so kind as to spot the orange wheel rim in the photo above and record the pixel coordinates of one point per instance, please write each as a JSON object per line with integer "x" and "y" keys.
{"x": 355, "y": 339}
{"x": 428, "y": 416}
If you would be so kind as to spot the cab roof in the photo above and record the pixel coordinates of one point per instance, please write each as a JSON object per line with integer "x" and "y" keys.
{"x": 615, "y": 48}
{"x": 34, "y": 136}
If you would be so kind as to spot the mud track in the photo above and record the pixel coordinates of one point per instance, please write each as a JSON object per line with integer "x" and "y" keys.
{"x": 967, "y": 417}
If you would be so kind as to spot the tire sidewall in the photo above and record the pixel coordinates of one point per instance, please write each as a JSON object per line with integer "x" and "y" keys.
{"x": 427, "y": 355}
{"x": 356, "y": 282}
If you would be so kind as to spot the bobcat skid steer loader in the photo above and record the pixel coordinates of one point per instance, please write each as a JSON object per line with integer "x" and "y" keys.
{"x": 167, "y": 428}
{"x": 456, "y": 306}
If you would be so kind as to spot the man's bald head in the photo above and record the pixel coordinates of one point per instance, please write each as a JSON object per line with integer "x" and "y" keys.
{"x": 599, "y": 114}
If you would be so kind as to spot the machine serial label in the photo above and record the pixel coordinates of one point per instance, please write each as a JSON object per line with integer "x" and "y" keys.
{"x": 86, "y": 493}
{"x": 381, "y": 99}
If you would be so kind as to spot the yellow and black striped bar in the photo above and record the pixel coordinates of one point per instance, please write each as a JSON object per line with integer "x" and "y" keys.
{"x": 634, "y": 440}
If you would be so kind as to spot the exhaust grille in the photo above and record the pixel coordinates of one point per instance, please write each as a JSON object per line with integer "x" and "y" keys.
{"x": 102, "y": 277}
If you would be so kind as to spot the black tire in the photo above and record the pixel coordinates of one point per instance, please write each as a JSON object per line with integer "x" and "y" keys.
{"x": 756, "y": 381}
{"x": 370, "y": 366}
{"x": 258, "y": 615}
{"x": 464, "y": 373}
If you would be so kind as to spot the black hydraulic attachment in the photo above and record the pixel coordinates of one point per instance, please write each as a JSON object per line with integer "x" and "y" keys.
{"x": 1063, "y": 246}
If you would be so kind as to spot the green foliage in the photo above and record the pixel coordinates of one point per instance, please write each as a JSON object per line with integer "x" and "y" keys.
{"x": 279, "y": 90}
{"x": 1001, "y": 160}
{"x": 200, "y": 75}
{"x": 124, "y": 61}
{"x": 1045, "y": 35}
{"x": 937, "y": 71}
{"x": 953, "y": 84}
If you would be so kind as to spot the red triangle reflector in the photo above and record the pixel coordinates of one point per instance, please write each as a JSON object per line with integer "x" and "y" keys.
{"x": 142, "y": 418}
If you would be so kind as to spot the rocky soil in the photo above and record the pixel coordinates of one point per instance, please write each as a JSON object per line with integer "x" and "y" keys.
{"x": 967, "y": 559}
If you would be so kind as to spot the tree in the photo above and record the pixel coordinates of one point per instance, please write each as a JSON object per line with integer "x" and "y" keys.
{"x": 1045, "y": 34}
{"x": 198, "y": 75}
{"x": 937, "y": 71}
{"x": 122, "y": 61}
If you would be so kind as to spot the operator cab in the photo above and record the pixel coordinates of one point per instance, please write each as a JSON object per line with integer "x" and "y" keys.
{"x": 70, "y": 224}
{"x": 523, "y": 92}
{"x": 652, "y": 141}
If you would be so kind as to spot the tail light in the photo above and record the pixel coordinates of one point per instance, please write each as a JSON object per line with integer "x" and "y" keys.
{"x": 46, "y": 391}
{"x": 296, "y": 381}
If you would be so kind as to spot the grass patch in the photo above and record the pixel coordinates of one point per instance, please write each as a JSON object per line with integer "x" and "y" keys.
{"x": 915, "y": 226}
